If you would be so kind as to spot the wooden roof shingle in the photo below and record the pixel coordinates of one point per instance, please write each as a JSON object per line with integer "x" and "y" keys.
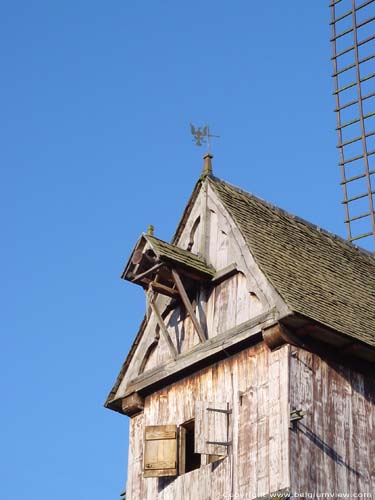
{"x": 172, "y": 253}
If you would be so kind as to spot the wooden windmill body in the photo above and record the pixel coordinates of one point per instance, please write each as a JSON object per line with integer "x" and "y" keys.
{"x": 253, "y": 371}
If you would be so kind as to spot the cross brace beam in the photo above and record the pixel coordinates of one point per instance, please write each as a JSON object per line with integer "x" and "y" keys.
{"x": 188, "y": 306}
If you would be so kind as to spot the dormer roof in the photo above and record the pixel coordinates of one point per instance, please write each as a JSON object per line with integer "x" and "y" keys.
{"x": 152, "y": 252}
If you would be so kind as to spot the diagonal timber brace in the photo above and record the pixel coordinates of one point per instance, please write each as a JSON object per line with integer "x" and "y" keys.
{"x": 188, "y": 306}
{"x": 163, "y": 329}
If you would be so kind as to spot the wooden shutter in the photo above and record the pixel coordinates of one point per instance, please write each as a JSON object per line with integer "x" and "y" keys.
{"x": 160, "y": 457}
{"x": 211, "y": 428}
{"x": 181, "y": 450}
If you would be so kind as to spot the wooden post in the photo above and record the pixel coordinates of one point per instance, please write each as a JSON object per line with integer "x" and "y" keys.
{"x": 187, "y": 304}
{"x": 132, "y": 404}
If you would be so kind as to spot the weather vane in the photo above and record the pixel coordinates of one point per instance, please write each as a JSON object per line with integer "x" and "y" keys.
{"x": 202, "y": 136}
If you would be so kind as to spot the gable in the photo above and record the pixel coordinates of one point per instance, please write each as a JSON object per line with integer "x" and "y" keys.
{"x": 237, "y": 295}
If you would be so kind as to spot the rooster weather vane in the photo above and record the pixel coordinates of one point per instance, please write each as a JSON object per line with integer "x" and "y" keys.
{"x": 202, "y": 136}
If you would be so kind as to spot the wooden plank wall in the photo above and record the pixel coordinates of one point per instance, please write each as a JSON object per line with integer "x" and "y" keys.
{"x": 220, "y": 308}
{"x": 333, "y": 446}
{"x": 255, "y": 383}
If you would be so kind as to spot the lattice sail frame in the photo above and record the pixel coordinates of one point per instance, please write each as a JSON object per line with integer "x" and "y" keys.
{"x": 353, "y": 44}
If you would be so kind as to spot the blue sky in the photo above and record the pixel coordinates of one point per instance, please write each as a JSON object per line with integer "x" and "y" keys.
{"x": 96, "y": 99}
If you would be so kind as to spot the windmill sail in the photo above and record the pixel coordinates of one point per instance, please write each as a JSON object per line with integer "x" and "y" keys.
{"x": 353, "y": 44}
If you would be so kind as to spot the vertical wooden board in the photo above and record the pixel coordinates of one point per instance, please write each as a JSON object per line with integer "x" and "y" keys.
{"x": 255, "y": 304}
{"x": 196, "y": 237}
{"x": 243, "y": 302}
{"x": 131, "y": 460}
{"x": 302, "y": 432}
{"x": 202, "y": 298}
{"x": 319, "y": 408}
{"x": 152, "y": 360}
{"x": 193, "y": 483}
{"x": 217, "y": 479}
{"x": 213, "y": 232}
{"x": 369, "y": 385}
{"x": 293, "y": 402}
{"x": 207, "y": 482}
{"x": 165, "y": 415}
{"x": 198, "y": 385}
{"x": 370, "y": 399}
{"x": 346, "y": 393}
{"x": 234, "y": 418}
{"x": 274, "y": 421}
{"x": 353, "y": 473}
{"x": 338, "y": 443}
{"x": 263, "y": 427}
{"x": 174, "y": 322}
{"x": 254, "y": 379}
{"x": 210, "y": 392}
{"x": 360, "y": 434}
{"x": 229, "y": 298}
{"x": 163, "y": 354}
{"x": 210, "y": 312}
{"x": 178, "y": 491}
{"x": 191, "y": 336}
{"x": 136, "y": 444}
{"x": 247, "y": 462}
{"x": 228, "y": 386}
{"x": 284, "y": 359}
{"x": 222, "y": 249}
{"x": 220, "y": 309}
{"x": 329, "y": 465}
{"x": 179, "y": 327}
{"x": 135, "y": 484}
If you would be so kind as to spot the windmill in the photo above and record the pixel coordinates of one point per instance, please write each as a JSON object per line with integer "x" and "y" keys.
{"x": 353, "y": 44}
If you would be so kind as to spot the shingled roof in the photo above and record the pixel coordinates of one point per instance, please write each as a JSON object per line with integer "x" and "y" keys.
{"x": 318, "y": 274}
{"x": 174, "y": 254}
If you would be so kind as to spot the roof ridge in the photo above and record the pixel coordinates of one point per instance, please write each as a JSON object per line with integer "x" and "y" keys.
{"x": 320, "y": 229}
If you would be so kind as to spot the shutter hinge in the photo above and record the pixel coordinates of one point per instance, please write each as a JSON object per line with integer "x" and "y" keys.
{"x": 296, "y": 415}
{"x": 228, "y": 412}
{"x": 222, "y": 443}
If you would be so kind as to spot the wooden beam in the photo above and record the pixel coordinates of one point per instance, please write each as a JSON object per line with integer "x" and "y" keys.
{"x": 189, "y": 307}
{"x": 164, "y": 331}
{"x": 278, "y": 334}
{"x": 146, "y": 273}
{"x": 132, "y": 404}
{"x": 193, "y": 274}
{"x": 203, "y": 352}
{"x": 224, "y": 274}
{"x": 163, "y": 289}
{"x": 273, "y": 337}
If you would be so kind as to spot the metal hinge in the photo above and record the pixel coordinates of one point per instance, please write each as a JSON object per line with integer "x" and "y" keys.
{"x": 222, "y": 443}
{"x": 296, "y": 415}
{"x": 228, "y": 412}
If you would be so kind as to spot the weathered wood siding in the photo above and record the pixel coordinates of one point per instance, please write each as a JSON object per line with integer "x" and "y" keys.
{"x": 219, "y": 308}
{"x": 255, "y": 384}
{"x": 333, "y": 446}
